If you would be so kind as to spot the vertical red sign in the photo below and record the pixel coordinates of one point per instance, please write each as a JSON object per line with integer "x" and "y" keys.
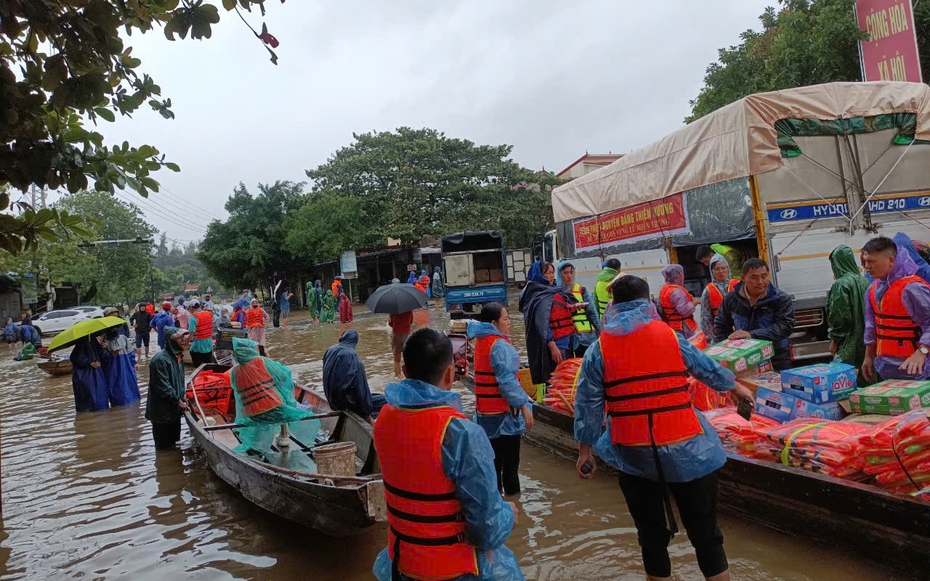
{"x": 890, "y": 53}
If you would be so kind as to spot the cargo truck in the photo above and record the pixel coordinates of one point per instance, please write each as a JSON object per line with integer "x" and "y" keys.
{"x": 475, "y": 271}
{"x": 785, "y": 176}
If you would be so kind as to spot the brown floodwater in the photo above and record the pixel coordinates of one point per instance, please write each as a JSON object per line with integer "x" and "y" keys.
{"x": 87, "y": 497}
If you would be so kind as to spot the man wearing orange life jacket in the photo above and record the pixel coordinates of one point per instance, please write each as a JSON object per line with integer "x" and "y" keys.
{"x": 654, "y": 437}
{"x": 255, "y": 320}
{"x": 675, "y": 301}
{"x": 201, "y": 329}
{"x": 897, "y": 314}
{"x": 712, "y": 297}
{"x": 447, "y": 520}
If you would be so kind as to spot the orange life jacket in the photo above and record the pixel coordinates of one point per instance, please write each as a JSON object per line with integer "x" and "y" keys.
{"x": 255, "y": 317}
{"x": 896, "y": 334}
{"x": 670, "y": 314}
{"x": 204, "y": 329}
{"x": 426, "y": 536}
{"x": 560, "y": 318}
{"x": 646, "y": 385}
{"x": 488, "y": 398}
{"x": 716, "y": 297}
{"x": 335, "y": 288}
{"x": 255, "y": 387}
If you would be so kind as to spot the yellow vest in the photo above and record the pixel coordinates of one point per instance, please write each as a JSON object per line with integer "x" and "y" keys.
{"x": 601, "y": 296}
{"x": 582, "y": 325}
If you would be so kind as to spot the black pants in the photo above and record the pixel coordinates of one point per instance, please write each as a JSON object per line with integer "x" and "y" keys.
{"x": 697, "y": 505}
{"x": 507, "y": 463}
{"x": 201, "y": 358}
{"x": 166, "y": 435}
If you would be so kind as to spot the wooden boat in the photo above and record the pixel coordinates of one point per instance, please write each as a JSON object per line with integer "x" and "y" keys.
{"x": 338, "y": 506}
{"x": 889, "y": 528}
{"x": 55, "y": 366}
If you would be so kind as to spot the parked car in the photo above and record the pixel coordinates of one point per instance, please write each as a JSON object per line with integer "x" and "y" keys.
{"x": 90, "y": 311}
{"x": 57, "y": 321}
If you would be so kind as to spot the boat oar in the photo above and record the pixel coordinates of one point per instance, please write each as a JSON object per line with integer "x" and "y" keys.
{"x": 234, "y": 426}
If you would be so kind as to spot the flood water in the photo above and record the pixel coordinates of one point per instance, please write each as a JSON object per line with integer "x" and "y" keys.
{"x": 86, "y": 497}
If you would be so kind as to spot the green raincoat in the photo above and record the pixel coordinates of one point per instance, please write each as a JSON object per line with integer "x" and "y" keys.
{"x": 733, "y": 256}
{"x": 328, "y": 312}
{"x": 845, "y": 307}
{"x": 166, "y": 382}
{"x": 601, "y": 294}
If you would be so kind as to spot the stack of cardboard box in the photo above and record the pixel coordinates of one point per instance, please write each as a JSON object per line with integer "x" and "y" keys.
{"x": 806, "y": 392}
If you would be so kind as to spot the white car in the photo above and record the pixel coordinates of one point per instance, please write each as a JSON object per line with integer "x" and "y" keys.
{"x": 57, "y": 321}
{"x": 91, "y": 312}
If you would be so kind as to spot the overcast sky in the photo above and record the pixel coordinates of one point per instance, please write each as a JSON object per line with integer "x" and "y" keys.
{"x": 552, "y": 78}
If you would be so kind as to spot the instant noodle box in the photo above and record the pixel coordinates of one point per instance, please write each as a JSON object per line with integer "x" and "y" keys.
{"x": 821, "y": 383}
{"x": 738, "y": 355}
{"x": 776, "y": 405}
{"x": 892, "y": 397}
{"x": 824, "y": 411}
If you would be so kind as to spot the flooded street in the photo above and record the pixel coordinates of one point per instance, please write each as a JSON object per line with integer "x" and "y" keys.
{"x": 86, "y": 498}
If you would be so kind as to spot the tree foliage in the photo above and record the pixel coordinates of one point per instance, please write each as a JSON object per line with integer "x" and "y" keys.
{"x": 416, "y": 182}
{"x": 251, "y": 245}
{"x": 64, "y": 64}
{"x": 805, "y": 42}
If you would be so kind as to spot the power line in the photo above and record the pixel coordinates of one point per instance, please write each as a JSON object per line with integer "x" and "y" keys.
{"x": 189, "y": 203}
{"x": 175, "y": 220}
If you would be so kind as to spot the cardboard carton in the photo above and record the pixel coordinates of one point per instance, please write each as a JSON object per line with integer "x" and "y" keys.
{"x": 738, "y": 355}
{"x": 821, "y": 383}
{"x": 824, "y": 411}
{"x": 891, "y": 397}
{"x": 774, "y": 404}
{"x": 771, "y": 380}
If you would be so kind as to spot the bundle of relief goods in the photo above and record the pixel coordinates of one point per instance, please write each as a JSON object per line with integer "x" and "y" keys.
{"x": 737, "y": 433}
{"x": 820, "y": 384}
{"x": 891, "y": 397}
{"x": 703, "y": 397}
{"x": 561, "y": 392}
{"x": 740, "y": 355}
{"x": 820, "y": 446}
{"x": 897, "y": 453}
{"x": 213, "y": 392}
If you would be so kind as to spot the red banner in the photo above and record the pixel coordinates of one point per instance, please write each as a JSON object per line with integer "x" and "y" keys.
{"x": 890, "y": 54}
{"x": 661, "y": 218}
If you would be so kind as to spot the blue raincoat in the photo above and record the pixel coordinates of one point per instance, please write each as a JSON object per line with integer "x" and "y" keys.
{"x": 468, "y": 460}
{"x": 344, "y": 380}
{"x": 506, "y": 364}
{"x": 682, "y": 462}
{"x": 159, "y": 322}
{"x": 412, "y": 279}
{"x": 119, "y": 371}
{"x": 916, "y": 299}
{"x": 9, "y": 331}
{"x": 923, "y": 269}
{"x": 28, "y": 334}
{"x": 89, "y": 383}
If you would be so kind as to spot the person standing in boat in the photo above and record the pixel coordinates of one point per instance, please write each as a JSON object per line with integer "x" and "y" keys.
{"x": 165, "y": 401}
{"x": 345, "y": 382}
{"x": 654, "y": 437}
{"x": 447, "y": 518}
{"x": 87, "y": 379}
{"x": 201, "y": 329}
{"x": 502, "y": 407}
{"x": 897, "y": 315}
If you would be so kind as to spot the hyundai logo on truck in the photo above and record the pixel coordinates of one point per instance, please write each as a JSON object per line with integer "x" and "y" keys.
{"x": 816, "y": 210}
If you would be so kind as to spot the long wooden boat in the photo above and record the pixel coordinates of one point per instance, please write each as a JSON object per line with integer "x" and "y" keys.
{"x": 888, "y": 528}
{"x": 55, "y": 366}
{"x": 337, "y": 506}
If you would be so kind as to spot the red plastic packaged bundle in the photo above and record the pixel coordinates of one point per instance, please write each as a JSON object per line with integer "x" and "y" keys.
{"x": 739, "y": 435}
{"x": 213, "y": 391}
{"x": 560, "y": 393}
{"x": 818, "y": 445}
{"x": 897, "y": 452}
{"x": 705, "y": 398}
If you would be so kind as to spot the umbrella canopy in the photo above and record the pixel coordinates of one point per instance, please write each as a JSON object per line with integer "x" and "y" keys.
{"x": 396, "y": 298}
{"x": 83, "y": 329}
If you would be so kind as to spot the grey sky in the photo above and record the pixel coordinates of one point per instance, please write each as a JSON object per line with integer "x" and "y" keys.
{"x": 550, "y": 77}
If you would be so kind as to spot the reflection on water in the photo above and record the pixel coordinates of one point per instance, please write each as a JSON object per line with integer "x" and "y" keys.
{"x": 87, "y": 497}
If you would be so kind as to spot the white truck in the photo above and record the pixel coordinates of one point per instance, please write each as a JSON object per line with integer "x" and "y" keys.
{"x": 786, "y": 176}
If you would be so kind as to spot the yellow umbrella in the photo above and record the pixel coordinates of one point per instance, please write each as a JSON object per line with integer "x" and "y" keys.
{"x": 72, "y": 334}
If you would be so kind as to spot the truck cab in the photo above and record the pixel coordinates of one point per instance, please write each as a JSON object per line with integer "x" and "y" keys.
{"x": 474, "y": 271}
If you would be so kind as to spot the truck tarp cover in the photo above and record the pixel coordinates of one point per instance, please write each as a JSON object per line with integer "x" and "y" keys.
{"x": 736, "y": 141}
{"x": 469, "y": 241}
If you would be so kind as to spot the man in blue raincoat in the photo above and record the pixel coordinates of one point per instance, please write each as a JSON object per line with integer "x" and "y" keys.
{"x": 28, "y": 334}
{"x": 160, "y": 321}
{"x": 344, "y": 379}
{"x": 479, "y": 518}
{"x": 653, "y": 436}
{"x": 87, "y": 379}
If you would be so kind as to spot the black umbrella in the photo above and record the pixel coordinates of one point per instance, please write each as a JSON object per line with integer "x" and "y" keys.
{"x": 396, "y": 298}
